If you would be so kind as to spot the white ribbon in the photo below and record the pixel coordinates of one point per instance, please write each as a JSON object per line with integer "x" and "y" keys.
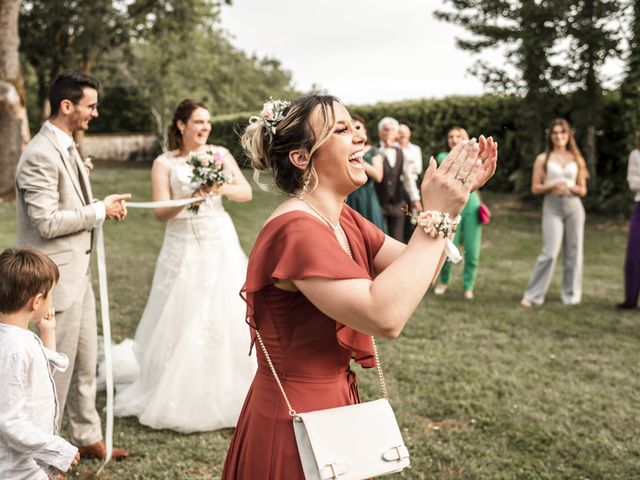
{"x": 452, "y": 251}
{"x": 106, "y": 333}
{"x": 106, "y": 321}
{"x": 166, "y": 203}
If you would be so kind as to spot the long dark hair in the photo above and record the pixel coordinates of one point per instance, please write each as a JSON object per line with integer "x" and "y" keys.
{"x": 182, "y": 113}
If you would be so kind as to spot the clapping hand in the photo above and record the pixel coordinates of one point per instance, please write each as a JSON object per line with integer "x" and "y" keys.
{"x": 489, "y": 159}
{"x": 468, "y": 166}
{"x": 115, "y": 206}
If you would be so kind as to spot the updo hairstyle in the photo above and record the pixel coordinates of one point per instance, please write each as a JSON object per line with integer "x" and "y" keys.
{"x": 270, "y": 153}
{"x": 182, "y": 113}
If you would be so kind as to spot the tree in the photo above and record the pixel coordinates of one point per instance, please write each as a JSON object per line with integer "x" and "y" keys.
{"x": 14, "y": 130}
{"x": 630, "y": 89}
{"x": 528, "y": 32}
{"x": 61, "y": 34}
{"x": 593, "y": 28}
{"x": 551, "y": 46}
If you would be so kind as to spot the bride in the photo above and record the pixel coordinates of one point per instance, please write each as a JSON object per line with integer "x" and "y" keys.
{"x": 192, "y": 345}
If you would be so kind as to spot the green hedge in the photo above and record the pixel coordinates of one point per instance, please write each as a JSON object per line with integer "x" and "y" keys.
{"x": 493, "y": 115}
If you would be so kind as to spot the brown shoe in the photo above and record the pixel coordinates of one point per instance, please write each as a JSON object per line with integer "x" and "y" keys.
{"x": 99, "y": 450}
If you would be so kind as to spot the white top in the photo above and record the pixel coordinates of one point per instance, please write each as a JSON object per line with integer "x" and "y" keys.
{"x": 413, "y": 154}
{"x": 633, "y": 173}
{"x": 557, "y": 173}
{"x": 407, "y": 177}
{"x": 180, "y": 172}
{"x": 65, "y": 141}
{"x": 30, "y": 448}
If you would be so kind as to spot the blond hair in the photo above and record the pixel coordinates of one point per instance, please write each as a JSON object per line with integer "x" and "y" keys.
{"x": 270, "y": 153}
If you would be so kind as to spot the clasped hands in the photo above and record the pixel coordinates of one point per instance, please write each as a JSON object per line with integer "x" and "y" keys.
{"x": 469, "y": 165}
{"x": 115, "y": 206}
{"x": 205, "y": 191}
{"x": 561, "y": 188}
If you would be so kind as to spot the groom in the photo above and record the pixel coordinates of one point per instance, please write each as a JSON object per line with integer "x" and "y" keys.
{"x": 56, "y": 213}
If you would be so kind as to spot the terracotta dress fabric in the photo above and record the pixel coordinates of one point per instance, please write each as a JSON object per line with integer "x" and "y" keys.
{"x": 310, "y": 351}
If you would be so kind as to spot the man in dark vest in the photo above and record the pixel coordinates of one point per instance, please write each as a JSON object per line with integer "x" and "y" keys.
{"x": 398, "y": 181}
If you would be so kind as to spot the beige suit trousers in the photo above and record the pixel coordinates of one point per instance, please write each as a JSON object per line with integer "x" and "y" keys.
{"x": 77, "y": 338}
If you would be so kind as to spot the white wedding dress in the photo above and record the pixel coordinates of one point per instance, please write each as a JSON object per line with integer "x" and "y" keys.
{"x": 192, "y": 343}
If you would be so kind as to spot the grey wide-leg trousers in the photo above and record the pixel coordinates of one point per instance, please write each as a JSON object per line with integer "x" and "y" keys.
{"x": 562, "y": 226}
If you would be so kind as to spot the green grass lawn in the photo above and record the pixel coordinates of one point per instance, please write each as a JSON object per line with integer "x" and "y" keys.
{"x": 482, "y": 389}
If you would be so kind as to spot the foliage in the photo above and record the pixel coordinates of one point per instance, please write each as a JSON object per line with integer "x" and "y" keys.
{"x": 150, "y": 55}
{"x": 60, "y": 34}
{"x": 630, "y": 89}
{"x": 528, "y": 32}
{"x": 495, "y": 115}
{"x": 482, "y": 390}
{"x": 550, "y": 46}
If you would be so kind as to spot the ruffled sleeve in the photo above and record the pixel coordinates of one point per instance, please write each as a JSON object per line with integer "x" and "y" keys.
{"x": 296, "y": 245}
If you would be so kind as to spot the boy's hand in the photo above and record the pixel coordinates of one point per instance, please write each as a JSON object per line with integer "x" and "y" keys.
{"x": 48, "y": 322}
{"x": 75, "y": 460}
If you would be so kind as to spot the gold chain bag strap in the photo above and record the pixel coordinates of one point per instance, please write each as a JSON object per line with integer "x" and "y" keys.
{"x": 353, "y": 442}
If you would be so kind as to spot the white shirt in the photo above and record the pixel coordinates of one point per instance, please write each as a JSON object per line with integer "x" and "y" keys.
{"x": 633, "y": 173}
{"x": 407, "y": 178}
{"x": 65, "y": 141}
{"x": 29, "y": 446}
{"x": 413, "y": 154}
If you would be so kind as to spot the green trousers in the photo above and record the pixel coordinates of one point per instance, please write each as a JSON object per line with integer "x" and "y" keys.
{"x": 470, "y": 231}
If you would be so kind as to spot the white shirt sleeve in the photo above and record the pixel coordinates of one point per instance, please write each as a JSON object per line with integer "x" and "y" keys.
{"x": 633, "y": 171}
{"x": 409, "y": 182}
{"x": 16, "y": 428}
{"x": 101, "y": 213}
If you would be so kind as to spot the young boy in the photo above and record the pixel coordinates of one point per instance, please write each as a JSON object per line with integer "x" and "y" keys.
{"x": 29, "y": 445}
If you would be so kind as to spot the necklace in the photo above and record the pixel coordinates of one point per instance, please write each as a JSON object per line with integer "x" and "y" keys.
{"x": 337, "y": 228}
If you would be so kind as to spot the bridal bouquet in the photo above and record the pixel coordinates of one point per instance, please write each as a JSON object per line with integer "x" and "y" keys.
{"x": 208, "y": 169}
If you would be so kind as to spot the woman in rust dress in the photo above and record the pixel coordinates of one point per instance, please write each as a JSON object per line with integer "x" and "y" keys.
{"x": 321, "y": 279}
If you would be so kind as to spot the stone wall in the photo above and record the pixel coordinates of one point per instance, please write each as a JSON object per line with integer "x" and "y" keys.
{"x": 123, "y": 147}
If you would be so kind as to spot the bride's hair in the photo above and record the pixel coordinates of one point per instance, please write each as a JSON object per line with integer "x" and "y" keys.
{"x": 182, "y": 113}
{"x": 270, "y": 152}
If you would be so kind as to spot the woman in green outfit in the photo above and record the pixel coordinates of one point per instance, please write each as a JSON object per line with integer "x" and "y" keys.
{"x": 469, "y": 229}
{"x": 364, "y": 200}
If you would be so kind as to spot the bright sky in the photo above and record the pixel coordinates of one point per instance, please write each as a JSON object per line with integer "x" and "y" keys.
{"x": 362, "y": 51}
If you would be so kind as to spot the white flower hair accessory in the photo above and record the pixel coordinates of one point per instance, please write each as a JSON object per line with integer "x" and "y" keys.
{"x": 272, "y": 113}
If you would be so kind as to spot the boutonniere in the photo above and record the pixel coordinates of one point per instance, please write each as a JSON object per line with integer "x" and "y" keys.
{"x": 88, "y": 164}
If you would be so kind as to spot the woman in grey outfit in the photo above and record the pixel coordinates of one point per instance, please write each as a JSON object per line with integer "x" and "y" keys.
{"x": 560, "y": 174}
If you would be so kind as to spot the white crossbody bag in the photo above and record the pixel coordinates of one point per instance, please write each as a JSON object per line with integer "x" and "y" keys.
{"x": 353, "y": 442}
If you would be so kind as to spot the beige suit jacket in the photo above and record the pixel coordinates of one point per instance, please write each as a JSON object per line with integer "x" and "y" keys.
{"x": 54, "y": 212}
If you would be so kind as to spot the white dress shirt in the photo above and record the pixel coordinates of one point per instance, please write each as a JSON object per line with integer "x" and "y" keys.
{"x": 407, "y": 178}
{"x": 633, "y": 173}
{"x": 29, "y": 446}
{"x": 413, "y": 154}
{"x": 65, "y": 141}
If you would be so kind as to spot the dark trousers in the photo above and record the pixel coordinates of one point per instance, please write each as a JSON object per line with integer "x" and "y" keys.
{"x": 632, "y": 262}
{"x": 395, "y": 227}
